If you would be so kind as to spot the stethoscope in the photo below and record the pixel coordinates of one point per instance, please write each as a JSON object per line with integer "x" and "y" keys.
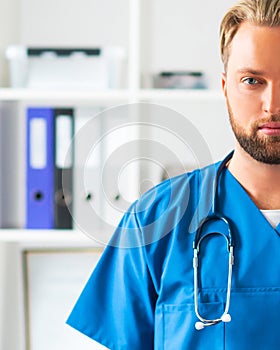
{"x": 215, "y": 216}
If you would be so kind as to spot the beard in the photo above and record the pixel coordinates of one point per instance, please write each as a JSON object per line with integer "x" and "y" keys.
{"x": 265, "y": 149}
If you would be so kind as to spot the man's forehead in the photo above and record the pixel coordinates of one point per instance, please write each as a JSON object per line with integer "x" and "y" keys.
{"x": 248, "y": 31}
{"x": 255, "y": 48}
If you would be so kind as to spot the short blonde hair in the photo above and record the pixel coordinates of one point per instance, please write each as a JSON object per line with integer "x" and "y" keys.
{"x": 258, "y": 12}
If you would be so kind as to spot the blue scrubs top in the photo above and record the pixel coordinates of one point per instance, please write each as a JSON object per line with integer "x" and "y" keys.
{"x": 140, "y": 295}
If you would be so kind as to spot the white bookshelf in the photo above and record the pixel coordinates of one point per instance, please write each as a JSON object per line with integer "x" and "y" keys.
{"x": 157, "y": 35}
{"x": 143, "y": 22}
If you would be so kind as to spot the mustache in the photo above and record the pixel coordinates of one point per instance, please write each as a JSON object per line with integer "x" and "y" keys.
{"x": 272, "y": 118}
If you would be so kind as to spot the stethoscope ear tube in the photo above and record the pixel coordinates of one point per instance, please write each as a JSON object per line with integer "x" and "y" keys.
{"x": 214, "y": 217}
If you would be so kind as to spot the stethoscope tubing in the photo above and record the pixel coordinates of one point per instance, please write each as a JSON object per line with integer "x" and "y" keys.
{"x": 225, "y": 317}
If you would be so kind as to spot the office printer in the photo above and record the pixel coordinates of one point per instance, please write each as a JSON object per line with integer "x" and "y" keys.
{"x": 66, "y": 68}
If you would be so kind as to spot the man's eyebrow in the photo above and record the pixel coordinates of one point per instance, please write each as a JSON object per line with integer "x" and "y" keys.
{"x": 249, "y": 70}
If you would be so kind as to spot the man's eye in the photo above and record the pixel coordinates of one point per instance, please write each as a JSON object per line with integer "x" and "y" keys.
{"x": 250, "y": 81}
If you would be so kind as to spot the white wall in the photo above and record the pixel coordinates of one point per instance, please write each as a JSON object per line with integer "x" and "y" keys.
{"x": 9, "y": 33}
{"x": 182, "y": 34}
{"x": 11, "y": 298}
{"x": 74, "y": 23}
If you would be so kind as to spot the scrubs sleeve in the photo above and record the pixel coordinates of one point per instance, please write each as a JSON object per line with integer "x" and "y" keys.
{"x": 116, "y": 307}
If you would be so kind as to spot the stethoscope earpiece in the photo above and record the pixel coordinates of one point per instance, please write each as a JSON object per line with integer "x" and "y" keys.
{"x": 201, "y": 325}
{"x": 226, "y": 318}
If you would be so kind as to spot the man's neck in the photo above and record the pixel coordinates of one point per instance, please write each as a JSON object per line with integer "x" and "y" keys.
{"x": 261, "y": 181}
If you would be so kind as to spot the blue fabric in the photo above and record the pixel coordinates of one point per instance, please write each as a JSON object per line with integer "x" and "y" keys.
{"x": 140, "y": 296}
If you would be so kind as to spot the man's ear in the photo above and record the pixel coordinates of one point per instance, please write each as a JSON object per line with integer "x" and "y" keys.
{"x": 224, "y": 84}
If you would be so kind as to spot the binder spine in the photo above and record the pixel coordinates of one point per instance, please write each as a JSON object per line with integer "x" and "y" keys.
{"x": 63, "y": 169}
{"x": 87, "y": 184}
{"x": 40, "y": 171}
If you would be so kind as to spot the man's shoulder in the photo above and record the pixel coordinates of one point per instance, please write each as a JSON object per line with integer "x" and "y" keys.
{"x": 180, "y": 184}
{"x": 176, "y": 193}
{"x": 160, "y": 210}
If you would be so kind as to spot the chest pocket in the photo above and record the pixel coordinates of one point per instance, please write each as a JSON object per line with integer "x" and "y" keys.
{"x": 179, "y": 328}
{"x": 255, "y": 320}
{"x": 255, "y": 323}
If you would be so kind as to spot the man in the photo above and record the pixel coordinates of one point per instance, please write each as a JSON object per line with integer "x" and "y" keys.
{"x": 143, "y": 297}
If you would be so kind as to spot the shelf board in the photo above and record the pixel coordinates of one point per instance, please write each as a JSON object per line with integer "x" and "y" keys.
{"x": 179, "y": 94}
{"x": 108, "y": 96}
{"x": 11, "y": 94}
{"x": 47, "y": 237}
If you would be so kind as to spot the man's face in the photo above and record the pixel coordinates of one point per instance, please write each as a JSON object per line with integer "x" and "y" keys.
{"x": 252, "y": 89}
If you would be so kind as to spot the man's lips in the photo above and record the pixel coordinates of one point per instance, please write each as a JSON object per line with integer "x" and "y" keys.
{"x": 270, "y": 128}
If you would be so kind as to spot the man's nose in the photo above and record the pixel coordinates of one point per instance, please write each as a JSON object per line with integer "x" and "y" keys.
{"x": 272, "y": 99}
